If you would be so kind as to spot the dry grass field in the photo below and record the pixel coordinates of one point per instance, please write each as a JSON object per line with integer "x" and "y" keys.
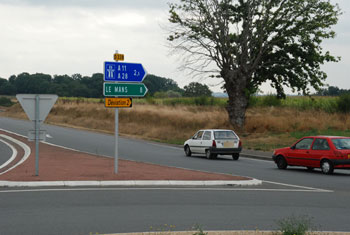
{"x": 266, "y": 127}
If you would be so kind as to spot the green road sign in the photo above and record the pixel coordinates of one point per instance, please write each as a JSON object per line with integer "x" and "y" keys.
{"x": 124, "y": 89}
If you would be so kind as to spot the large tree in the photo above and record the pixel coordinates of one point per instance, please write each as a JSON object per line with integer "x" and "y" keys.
{"x": 196, "y": 89}
{"x": 255, "y": 41}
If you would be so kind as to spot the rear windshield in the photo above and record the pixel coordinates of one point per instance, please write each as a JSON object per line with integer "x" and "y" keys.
{"x": 341, "y": 143}
{"x": 220, "y": 135}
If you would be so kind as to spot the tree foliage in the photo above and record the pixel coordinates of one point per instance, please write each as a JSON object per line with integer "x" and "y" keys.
{"x": 195, "y": 89}
{"x": 251, "y": 42}
{"x": 76, "y": 85}
{"x": 332, "y": 91}
{"x": 160, "y": 84}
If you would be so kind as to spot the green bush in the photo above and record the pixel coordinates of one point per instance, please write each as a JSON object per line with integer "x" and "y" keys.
{"x": 201, "y": 101}
{"x": 196, "y": 101}
{"x": 253, "y": 101}
{"x": 149, "y": 100}
{"x": 6, "y": 102}
{"x": 173, "y": 94}
{"x": 270, "y": 100}
{"x": 343, "y": 103}
{"x": 160, "y": 94}
{"x": 295, "y": 225}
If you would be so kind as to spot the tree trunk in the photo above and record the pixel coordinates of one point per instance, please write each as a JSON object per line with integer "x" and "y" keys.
{"x": 238, "y": 99}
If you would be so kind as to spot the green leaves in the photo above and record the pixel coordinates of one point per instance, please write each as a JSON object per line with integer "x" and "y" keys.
{"x": 252, "y": 42}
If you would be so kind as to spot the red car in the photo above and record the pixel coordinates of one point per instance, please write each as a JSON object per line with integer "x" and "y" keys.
{"x": 325, "y": 152}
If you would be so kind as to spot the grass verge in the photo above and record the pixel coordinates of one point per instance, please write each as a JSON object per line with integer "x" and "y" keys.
{"x": 266, "y": 128}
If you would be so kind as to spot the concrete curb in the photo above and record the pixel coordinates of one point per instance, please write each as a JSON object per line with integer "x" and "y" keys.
{"x": 237, "y": 232}
{"x": 130, "y": 183}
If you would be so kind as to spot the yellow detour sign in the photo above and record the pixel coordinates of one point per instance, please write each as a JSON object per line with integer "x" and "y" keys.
{"x": 119, "y": 57}
{"x": 118, "y": 102}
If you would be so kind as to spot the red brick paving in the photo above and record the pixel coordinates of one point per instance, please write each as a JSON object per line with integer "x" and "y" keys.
{"x": 59, "y": 164}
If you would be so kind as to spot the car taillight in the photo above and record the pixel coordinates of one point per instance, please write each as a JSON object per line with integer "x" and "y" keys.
{"x": 339, "y": 154}
{"x": 214, "y": 143}
{"x": 240, "y": 144}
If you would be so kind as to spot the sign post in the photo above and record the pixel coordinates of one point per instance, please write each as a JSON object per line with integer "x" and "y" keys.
{"x": 37, "y": 129}
{"x": 37, "y": 107}
{"x": 122, "y": 80}
{"x": 116, "y": 131}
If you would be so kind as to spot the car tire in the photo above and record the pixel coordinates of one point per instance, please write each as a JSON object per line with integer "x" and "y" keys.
{"x": 327, "y": 167}
{"x": 208, "y": 154}
{"x": 235, "y": 156}
{"x": 281, "y": 163}
{"x": 188, "y": 152}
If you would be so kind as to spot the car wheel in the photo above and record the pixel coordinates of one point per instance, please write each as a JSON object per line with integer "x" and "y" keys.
{"x": 309, "y": 168}
{"x": 327, "y": 167}
{"x": 188, "y": 152}
{"x": 281, "y": 163}
{"x": 235, "y": 156}
{"x": 208, "y": 154}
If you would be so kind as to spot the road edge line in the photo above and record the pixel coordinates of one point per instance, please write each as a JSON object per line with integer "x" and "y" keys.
{"x": 26, "y": 155}
{"x": 14, "y": 153}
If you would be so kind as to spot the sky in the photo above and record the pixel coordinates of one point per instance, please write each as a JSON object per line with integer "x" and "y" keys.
{"x": 59, "y": 37}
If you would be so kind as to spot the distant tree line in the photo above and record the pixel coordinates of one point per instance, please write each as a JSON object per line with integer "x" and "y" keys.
{"x": 332, "y": 91}
{"x": 92, "y": 87}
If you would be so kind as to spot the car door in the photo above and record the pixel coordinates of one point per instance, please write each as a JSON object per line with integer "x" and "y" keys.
{"x": 299, "y": 152}
{"x": 207, "y": 141}
{"x": 319, "y": 149}
{"x": 195, "y": 142}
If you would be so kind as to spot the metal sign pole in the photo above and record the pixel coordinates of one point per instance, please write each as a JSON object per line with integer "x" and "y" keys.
{"x": 37, "y": 129}
{"x": 116, "y": 141}
{"x": 116, "y": 133}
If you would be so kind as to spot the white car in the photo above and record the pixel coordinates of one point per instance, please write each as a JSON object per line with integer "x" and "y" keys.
{"x": 212, "y": 142}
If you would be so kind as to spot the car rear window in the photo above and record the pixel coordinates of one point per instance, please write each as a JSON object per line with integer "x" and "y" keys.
{"x": 220, "y": 135}
{"x": 341, "y": 143}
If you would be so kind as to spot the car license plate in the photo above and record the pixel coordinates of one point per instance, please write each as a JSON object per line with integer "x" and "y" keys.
{"x": 228, "y": 144}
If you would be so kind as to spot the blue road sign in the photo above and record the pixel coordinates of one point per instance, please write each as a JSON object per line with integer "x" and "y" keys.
{"x": 124, "y": 72}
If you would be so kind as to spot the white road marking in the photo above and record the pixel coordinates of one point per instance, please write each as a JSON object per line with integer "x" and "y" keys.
{"x": 165, "y": 146}
{"x": 10, "y": 132}
{"x": 298, "y": 186}
{"x": 150, "y": 189}
{"x": 25, "y": 148}
{"x": 14, "y": 154}
{"x": 254, "y": 159}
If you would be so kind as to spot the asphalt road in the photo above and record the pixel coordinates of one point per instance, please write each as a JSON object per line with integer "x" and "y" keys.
{"x": 5, "y": 152}
{"x": 296, "y": 191}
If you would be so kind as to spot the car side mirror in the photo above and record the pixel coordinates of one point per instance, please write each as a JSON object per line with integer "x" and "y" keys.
{"x": 293, "y": 147}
